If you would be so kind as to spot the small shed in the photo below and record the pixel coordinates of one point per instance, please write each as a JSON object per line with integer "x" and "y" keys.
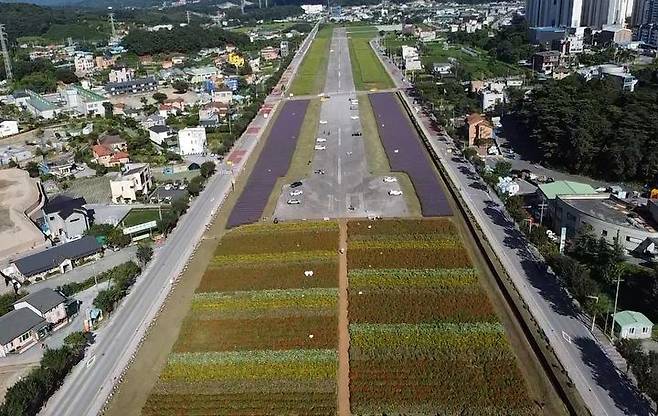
{"x": 632, "y": 325}
{"x": 194, "y": 166}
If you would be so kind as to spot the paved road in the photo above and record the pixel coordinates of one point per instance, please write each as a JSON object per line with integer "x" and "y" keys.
{"x": 89, "y": 386}
{"x": 346, "y": 189}
{"x": 605, "y": 390}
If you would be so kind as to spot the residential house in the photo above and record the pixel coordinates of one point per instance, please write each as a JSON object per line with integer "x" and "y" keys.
{"x": 212, "y": 113}
{"x": 134, "y": 182}
{"x": 223, "y": 95}
{"x": 490, "y": 99}
{"x": 66, "y": 218}
{"x": 478, "y": 130}
{"x": 83, "y": 101}
{"x": 192, "y": 141}
{"x": 200, "y": 74}
{"x": 108, "y": 157}
{"x": 47, "y": 303}
{"x": 20, "y": 329}
{"x": 154, "y": 120}
{"x": 442, "y": 68}
{"x": 58, "y": 259}
{"x": 632, "y": 325}
{"x": 113, "y": 141}
{"x": 84, "y": 63}
{"x": 161, "y": 134}
{"x": 8, "y": 127}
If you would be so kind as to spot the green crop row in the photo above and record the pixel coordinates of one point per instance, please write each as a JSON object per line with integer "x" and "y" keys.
{"x": 285, "y": 227}
{"x": 283, "y": 257}
{"x": 251, "y": 365}
{"x": 384, "y": 244}
{"x": 413, "y": 278}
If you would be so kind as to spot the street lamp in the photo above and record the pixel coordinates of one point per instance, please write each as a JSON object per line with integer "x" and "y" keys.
{"x": 614, "y": 311}
{"x": 594, "y": 312}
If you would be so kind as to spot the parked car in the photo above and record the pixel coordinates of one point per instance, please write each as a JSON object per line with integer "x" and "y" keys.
{"x": 320, "y": 147}
{"x": 296, "y": 192}
{"x": 296, "y": 184}
{"x": 394, "y": 192}
{"x": 294, "y": 202}
{"x": 389, "y": 179}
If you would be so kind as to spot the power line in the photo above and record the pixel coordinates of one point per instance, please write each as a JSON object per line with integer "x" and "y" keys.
{"x": 4, "y": 39}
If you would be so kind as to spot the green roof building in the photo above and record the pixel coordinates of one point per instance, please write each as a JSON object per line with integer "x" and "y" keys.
{"x": 632, "y": 325}
{"x": 551, "y": 190}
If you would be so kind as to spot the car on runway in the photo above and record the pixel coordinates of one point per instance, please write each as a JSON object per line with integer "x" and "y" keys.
{"x": 323, "y": 121}
{"x": 389, "y": 179}
{"x": 319, "y": 171}
{"x": 354, "y": 117}
{"x": 296, "y": 192}
{"x": 294, "y": 202}
{"x": 320, "y": 147}
{"x": 320, "y": 140}
{"x": 296, "y": 184}
{"x": 394, "y": 192}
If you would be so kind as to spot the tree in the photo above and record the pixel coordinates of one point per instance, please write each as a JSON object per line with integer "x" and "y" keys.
{"x": 598, "y": 308}
{"x": 195, "y": 185}
{"x": 76, "y": 340}
{"x": 160, "y": 97}
{"x": 470, "y": 153}
{"x": 207, "y": 169}
{"x": 33, "y": 169}
{"x": 180, "y": 87}
{"x": 116, "y": 238}
{"x": 144, "y": 254}
{"x": 105, "y": 300}
{"x": 66, "y": 76}
{"x": 109, "y": 110}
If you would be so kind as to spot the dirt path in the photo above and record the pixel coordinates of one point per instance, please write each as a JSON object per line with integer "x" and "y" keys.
{"x": 343, "y": 327}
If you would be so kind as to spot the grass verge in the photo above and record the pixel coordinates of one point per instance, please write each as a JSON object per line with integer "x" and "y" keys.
{"x": 312, "y": 72}
{"x": 367, "y": 70}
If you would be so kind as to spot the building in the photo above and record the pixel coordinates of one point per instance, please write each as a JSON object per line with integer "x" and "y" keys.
{"x": 224, "y": 95}
{"x": 545, "y": 62}
{"x": 442, "y": 68}
{"x": 200, "y": 74}
{"x": 20, "y": 329}
{"x": 554, "y": 13}
{"x": 648, "y": 33}
{"x": 161, "y": 134}
{"x": 136, "y": 181}
{"x": 135, "y": 86}
{"x": 84, "y": 102}
{"x": 490, "y": 99}
{"x": 615, "y": 35}
{"x": 597, "y": 13}
{"x": 269, "y": 53}
{"x": 47, "y": 304}
{"x": 284, "y": 48}
{"x": 21, "y": 200}
{"x": 84, "y": 63}
{"x": 409, "y": 52}
{"x": 632, "y": 325}
{"x": 608, "y": 216}
{"x": 192, "y": 141}
{"x": 8, "y": 127}
{"x": 58, "y": 259}
{"x": 39, "y": 107}
{"x": 479, "y": 131}
{"x": 154, "y": 120}
{"x": 235, "y": 59}
{"x": 620, "y": 75}
{"x": 121, "y": 75}
{"x": 66, "y": 218}
{"x": 413, "y": 64}
{"x": 108, "y": 157}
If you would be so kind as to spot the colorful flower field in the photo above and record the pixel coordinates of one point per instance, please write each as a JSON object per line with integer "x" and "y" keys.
{"x": 261, "y": 333}
{"x": 424, "y": 338}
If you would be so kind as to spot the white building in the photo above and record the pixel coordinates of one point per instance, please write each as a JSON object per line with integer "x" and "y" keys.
{"x": 198, "y": 75}
{"x": 121, "y": 75}
{"x": 491, "y": 98}
{"x": 160, "y": 133}
{"x": 192, "y": 141}
{"x": 312, "y": 8}
{"x": 597, "y": 13}
{"x": 84, "y": 63}
{"x": 134, "y": 181}
{"x": 8, "y": 127}
{"x": 413, "y": 64}
{"x": 83, "y": 101}
{"x": 554, "y": 13}
{"x": 409, "y": 52}
{"x": 224, "y": 95}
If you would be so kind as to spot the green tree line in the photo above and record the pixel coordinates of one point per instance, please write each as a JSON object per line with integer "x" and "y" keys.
{"x": 181, "y": 39}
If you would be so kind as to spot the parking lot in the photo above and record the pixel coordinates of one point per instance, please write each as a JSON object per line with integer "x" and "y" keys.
{"x": 340, "y": 184}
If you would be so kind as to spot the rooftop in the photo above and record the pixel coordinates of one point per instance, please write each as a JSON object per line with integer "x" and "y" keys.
{"x": 553, "y": 189}
{"x": 43, "y": 300}
{"x": 625, "y": 318}
{"x": 17, "y": 322}
{"x": 64, "y": 205}
{"x": 40, "y": 103}
{"x": 610, "y": 209}
{"x": 53, "y": 257}
{"x": 89, "y": 95}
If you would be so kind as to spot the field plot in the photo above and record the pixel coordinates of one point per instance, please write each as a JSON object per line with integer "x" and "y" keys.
{"x": 272, "y": 163}
{"x": 311, "y": 74}
{"x": 368, "y": 71}
{"x": 261, "y": 334}
{"x": 406, "y": 154}
{"x": 424, "y": 338}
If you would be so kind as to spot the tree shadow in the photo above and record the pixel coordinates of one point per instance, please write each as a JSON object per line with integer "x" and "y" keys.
{"x": 607, "y": 376}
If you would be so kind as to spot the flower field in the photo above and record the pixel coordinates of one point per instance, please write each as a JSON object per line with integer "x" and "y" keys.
{"x": 261, "y": 335}
{"x": 424, "y": 338}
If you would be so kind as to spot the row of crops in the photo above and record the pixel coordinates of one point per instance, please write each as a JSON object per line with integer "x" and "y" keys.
{"x": 424, "y": 338}
{"x": 261, "y": 333}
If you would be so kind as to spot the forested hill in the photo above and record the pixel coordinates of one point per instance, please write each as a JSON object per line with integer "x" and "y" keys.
{"x": 30, "y": 20}
{"x": 594, "y": 129}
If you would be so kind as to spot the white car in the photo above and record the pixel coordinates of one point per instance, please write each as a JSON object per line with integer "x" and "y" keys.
{"x": 167, "y": 187}
{"x": 354, "y": 117}
{"x": 320, "y": 140}
{"x": 294, "y": 202}
{"x": 393, "y": 192}
{"x": 389, "y": 179}
{"x": 296, "y": 192}
{"x": 323, "y": 121}
{"x": 320, "y": 147}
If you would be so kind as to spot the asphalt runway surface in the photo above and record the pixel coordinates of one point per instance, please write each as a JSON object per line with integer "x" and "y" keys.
{"x": 407, "y": 154}
{"x": 346, "y": 189}
{"x": 272, "y": 164}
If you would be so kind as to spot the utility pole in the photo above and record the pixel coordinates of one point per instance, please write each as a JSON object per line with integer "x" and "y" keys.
{"x": 187, "y": 12}
{"x": 242, "y": 6}
{"x": 4, "y": 39}
{"x": 614, "y": 311}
